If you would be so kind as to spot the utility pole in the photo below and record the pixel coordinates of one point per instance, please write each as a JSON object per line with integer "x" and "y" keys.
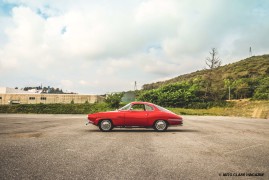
{"x": 250, "y": 52}
{"x": 135, "y": 86}
{"x": 229, "y": 93}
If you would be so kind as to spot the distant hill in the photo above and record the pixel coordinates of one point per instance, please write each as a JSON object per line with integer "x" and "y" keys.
{"x": 253, "y": 69}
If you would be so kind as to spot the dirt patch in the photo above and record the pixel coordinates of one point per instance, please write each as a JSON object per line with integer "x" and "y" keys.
{"x": 260, "y": 113}
{"x": 27, "y": 135}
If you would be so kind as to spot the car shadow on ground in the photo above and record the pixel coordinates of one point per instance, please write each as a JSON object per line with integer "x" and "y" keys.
{"x": 145, "y": 130}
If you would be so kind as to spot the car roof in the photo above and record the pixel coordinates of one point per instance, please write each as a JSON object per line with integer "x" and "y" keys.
{"x": 140, "y": 102}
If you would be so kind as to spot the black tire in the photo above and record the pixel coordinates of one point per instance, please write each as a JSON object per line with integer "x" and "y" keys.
{"x": 160, "y": 125}
{"x": 105, "y": 125}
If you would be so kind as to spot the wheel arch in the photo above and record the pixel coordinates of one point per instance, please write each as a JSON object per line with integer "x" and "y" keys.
{"x": 101, "y": 119}
{"x": 160, "y": 120}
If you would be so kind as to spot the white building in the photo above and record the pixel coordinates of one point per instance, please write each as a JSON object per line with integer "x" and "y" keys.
{"x": 16, "y": 96}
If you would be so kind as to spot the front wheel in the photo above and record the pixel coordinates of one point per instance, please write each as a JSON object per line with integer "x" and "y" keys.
{"x": 105, "y": 125}
{"x": 160, "y": 125}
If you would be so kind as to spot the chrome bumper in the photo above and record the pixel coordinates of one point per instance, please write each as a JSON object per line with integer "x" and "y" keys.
{"x": 89, "y": 122}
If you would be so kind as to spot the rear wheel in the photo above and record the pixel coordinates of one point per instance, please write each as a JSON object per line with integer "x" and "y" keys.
{"x": 160, "y": 125}
{"x": 105, "y": 125}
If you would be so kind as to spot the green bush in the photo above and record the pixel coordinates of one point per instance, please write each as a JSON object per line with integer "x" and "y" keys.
{"x": 173, "y": 95}
{"x": 55, "y": 108}
{"x": 262, "y": 91}
{"x": 114, "y": 99}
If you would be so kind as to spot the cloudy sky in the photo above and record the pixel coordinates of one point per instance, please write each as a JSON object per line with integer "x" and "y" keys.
{"x": 99, "y": 46}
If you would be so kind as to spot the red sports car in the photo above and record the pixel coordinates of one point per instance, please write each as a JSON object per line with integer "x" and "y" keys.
{"x": 136, "y": 114}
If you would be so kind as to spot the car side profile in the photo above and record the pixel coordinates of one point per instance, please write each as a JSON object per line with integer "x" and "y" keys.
{"x": 136, "y": 114}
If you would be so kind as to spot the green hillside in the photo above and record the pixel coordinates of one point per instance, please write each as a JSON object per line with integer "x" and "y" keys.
{"x": 254, "y": 67}
{"x": 248, "y": 78}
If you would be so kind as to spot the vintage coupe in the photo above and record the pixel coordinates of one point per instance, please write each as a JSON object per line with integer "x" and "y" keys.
{"x": 136, "y": 114}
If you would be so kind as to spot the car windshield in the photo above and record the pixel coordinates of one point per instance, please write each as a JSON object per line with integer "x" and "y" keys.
{"x": 163, "y": 109}
{"x": 126, "y": 107}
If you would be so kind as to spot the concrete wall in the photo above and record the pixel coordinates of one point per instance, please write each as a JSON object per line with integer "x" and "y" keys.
{"x": 48, "y": 98}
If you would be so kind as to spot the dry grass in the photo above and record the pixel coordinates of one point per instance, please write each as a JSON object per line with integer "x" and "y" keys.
{"x": 242, "y": 108}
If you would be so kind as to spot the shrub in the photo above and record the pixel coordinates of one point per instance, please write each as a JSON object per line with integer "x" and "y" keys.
{"x": 114, "y": 99}
{"x": 55, "y": 108}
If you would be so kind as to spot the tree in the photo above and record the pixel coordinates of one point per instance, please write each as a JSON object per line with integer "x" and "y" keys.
{"x": 173, "y": 95}
{"x": 242, "y": 89}
{"x": 114, "y": 99}
{"x": 262, "y": 91}
{"x": 212, "y": 62}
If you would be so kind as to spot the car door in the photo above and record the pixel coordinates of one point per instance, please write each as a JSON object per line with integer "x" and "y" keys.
{"x": 136, "y": 116}
{"x": 151, "y": 115}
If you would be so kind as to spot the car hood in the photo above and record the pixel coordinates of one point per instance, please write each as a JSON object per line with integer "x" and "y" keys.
{"x": 100, "y": 113}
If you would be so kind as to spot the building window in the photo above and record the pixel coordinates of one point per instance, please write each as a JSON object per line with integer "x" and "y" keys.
{"x": 43, "y": 98}
{"x": 31, "y": 98}
{"x": 0, "y": 97}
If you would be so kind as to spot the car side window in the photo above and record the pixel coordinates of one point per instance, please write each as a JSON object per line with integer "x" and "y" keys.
{"x": 138, "y": 107}
{"x": 148, "y": 108}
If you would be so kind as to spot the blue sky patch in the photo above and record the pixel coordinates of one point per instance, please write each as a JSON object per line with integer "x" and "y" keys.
{"x": 6, "y": 8}
{"x": 42, "y": 14}
{"x": 63, "y": 30}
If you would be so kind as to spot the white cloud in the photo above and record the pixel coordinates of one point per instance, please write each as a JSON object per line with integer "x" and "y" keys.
{"x": 67, "y": 84}
{"x": 102, "y": 46}
{"x": 83, "y": 82}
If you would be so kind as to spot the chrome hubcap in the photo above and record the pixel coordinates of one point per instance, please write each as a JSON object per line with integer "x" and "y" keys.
{"x": 106, "y": 125}
{"x": 160, "y": 125}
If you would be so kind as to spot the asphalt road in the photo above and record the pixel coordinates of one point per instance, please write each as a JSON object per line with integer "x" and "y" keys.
{"x": 63, "y": 147}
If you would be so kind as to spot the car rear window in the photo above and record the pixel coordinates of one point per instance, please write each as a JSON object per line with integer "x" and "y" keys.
{"x": 163, "y": 109}
{"x": 148, "y": 108}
